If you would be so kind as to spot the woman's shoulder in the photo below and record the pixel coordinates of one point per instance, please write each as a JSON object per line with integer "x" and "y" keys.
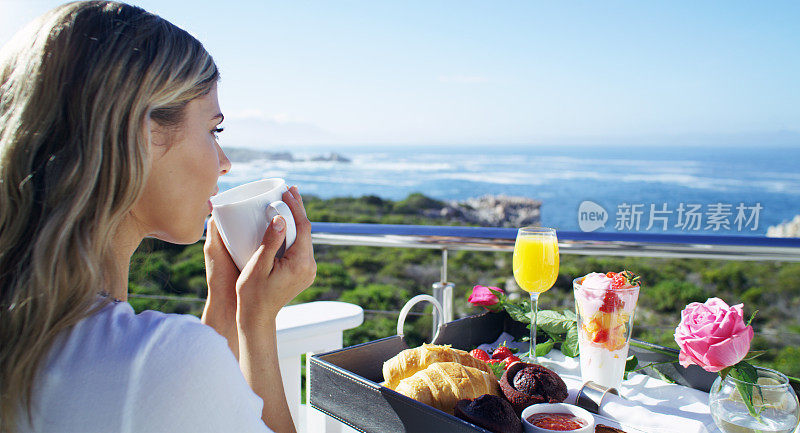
{"x": 116, "y": 337}
{"x": 117, "y": 327}
{"x": 151, "y": 371}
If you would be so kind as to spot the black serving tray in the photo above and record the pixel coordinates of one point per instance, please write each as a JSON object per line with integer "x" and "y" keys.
{"x": 345, "y": 383}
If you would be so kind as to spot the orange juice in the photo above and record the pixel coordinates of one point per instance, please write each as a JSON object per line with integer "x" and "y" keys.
{"x": 536, "y": 262}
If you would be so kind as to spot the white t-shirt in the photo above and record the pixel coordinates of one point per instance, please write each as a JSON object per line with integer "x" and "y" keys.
{"x": 118, "y": 371}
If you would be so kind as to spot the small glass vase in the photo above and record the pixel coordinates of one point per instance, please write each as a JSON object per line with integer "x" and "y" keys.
{"x": 774, "y": 402}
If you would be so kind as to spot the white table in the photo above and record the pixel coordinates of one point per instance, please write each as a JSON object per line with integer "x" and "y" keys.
{"x": 306, "y": 329}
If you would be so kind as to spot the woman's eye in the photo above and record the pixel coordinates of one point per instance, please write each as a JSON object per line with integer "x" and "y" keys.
{"x": 216, "y": 131}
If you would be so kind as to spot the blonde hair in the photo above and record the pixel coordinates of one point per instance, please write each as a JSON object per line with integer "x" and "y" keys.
{"x": 77, "y": 87}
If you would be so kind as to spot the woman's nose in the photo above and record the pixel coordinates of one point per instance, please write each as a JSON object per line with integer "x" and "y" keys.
{"x": 224, "y": 162}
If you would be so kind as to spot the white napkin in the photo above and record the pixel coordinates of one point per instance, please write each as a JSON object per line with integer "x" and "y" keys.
{"x": 647, "y": 403}
{"x": 632, "y": 414}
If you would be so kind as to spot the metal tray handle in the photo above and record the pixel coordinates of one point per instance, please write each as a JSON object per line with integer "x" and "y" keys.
{"x": 401, "y": 321}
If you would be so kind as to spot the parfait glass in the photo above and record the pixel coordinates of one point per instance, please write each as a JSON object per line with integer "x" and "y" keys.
{"x": 605, "y": 323}
{"x": 774, "y": 402}
{"x": 535, "y": 268}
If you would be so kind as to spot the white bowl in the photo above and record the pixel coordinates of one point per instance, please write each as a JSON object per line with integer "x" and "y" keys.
{"x": 557, "y": 408}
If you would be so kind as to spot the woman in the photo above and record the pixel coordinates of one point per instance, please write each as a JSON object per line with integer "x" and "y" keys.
{"x": 108, "y": 123}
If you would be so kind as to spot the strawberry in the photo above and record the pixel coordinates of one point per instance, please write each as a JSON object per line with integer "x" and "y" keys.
{"x": 600, "y": 336}
{"x": 611, "y": 302}
{"x": 623, "y": 279}
{"x": 510, "y": 360}
{"x": 480, "y": 354}
{"x": 610, "y": 274}
{"x": 494, "y": 361}
{"x": 633, "y": 279}
{"x": 619, "y": 281}
{"x": 501, "y": 353}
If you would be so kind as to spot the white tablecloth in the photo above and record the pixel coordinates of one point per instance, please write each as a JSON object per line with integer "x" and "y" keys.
{"x": 647, "y": 392}
{"x": 650, "y": 393}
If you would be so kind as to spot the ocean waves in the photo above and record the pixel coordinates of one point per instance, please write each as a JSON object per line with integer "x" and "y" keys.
{"x": 561, "y": 180}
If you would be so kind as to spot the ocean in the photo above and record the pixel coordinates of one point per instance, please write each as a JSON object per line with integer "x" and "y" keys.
{"x": 691, "y": 190}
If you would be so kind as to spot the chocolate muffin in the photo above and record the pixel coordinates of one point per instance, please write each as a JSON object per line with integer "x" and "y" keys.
{"x": 600, "y": 428}
{"x": 490, "y": 412}
{"x": 525, "y": 384}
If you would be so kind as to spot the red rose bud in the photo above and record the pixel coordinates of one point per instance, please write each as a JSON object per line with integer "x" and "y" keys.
{"x": 485, "y": 297}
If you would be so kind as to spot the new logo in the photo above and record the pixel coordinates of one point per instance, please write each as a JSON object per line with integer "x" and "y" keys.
{"x": 591, "y": 216}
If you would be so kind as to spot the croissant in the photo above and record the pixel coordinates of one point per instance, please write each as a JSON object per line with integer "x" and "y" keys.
{"x": 442, "y": 384}
{"x": 410, "y": 361}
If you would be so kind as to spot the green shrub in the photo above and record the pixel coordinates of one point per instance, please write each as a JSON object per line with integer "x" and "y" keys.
{"x": 671, "y": 296}
{"x": 731, "y": 275}
{"x": 198, "y": 286}
{"x": 362, "y": 261}
{"x": 788, "y": 361}
{"x": 377, "y": 296}
{"x": 416, "y": 202}
{"x": 374, "y": 327}
{"x": 182, "y": 273}
{"x": 754, "y": 295}
{"x": 150, "y": 269}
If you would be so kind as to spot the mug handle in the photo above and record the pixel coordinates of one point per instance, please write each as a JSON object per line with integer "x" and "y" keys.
{"x": 282, "y": 209}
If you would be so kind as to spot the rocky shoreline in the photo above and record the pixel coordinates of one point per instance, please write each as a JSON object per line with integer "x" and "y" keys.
{"x": 491, "y": 211}
{"x": 789, "y": 229}
{"x": 239, "y": 154}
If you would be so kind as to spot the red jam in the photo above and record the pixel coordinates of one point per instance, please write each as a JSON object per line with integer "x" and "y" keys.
{"x": 557, "y": 421}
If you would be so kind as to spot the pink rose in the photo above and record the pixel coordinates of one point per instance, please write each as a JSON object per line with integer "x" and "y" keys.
{"x": 484, "y": 296}
{"x": 712, "y": 335}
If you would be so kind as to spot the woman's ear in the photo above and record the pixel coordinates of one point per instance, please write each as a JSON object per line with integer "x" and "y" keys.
{"x": 159, "y": 136}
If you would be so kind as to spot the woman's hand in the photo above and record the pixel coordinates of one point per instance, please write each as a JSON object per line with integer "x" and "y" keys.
{"x": 221, "y": 275}
{"x": 266, "y": 284}
{"x": 264, "y": 287}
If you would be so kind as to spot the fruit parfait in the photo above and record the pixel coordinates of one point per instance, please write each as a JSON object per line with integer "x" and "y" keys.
{"x": 605, "y": 304}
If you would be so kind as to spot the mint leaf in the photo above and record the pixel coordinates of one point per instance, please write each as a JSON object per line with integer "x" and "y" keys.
{"x": 553, "y": 322}
{"x": 518, "y": 312}
{"x": 544, "y": 348}
{"x": 631, "y": 363}
{"x": 570, "y": 315}
{"x": 570, "y": 345}
{"x": 663, "y": 376}
{"x": 498, "y": 369}
{"x": 557, "y": 338}
{"x": 505, "y": 344}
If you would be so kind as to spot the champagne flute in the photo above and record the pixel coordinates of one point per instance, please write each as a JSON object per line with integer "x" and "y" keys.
{"x": 535, "y": 268}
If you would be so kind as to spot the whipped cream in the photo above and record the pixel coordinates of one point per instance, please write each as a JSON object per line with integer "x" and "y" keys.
{"x": 596, "y": 281}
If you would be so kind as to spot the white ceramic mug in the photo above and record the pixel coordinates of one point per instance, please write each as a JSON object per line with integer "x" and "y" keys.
{"x": 243, "y": 213}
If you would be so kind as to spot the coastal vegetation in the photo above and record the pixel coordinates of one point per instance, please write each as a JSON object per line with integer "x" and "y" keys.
{"x": 381, "y": 280}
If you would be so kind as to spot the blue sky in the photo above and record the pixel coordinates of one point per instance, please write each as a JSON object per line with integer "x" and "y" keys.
{"x": 472, "y": 73}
